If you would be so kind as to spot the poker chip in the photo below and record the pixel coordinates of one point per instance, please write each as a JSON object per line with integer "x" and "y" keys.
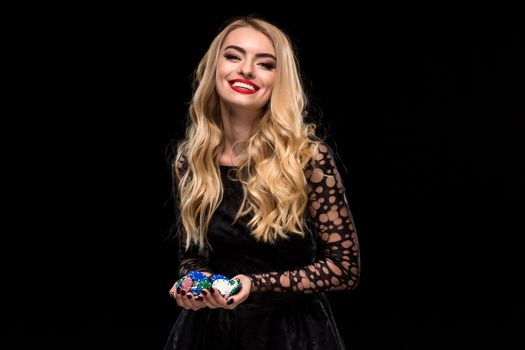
{"x": 227, "y": 287}
{"x": 217, "y": 276}
{"x": 194, "y": 282}
{"x": 197, "y": 276}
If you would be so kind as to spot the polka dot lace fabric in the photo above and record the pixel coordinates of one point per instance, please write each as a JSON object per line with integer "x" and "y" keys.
{"x": 339, "y": 267}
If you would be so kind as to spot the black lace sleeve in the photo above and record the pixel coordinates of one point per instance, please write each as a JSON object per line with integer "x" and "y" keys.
{"x": 190, "y": 259}
{"x": 339, "y": 266}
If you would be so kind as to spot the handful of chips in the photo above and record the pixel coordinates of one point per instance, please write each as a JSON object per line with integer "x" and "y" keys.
{"x": 195, "y": 281}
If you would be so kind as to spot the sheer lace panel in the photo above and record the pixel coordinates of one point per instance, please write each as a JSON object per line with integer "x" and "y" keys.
{"x": 190, "y": 259}
{"x": 339, "y": 267}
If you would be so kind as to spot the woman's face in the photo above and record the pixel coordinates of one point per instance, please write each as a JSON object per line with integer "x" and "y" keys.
{"x": 246, "y": 69}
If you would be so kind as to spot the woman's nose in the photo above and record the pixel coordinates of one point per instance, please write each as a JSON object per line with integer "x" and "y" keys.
{"x": 247, "y": 70}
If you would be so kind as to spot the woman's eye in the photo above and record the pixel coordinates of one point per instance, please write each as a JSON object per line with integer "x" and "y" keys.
{"x": 268, "y": 65}
{"x": 231, "y": 57}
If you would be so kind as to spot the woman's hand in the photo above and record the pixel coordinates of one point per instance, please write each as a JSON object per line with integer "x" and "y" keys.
{"x": 188, "y": 300}
{"x": 212, "y": 298}
{"x": 243, "y": 293}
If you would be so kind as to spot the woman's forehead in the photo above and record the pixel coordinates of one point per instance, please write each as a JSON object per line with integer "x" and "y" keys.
{"x": 249, "y": 39}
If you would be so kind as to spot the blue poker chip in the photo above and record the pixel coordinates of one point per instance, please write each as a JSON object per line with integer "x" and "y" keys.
{"x": 197, "y": 276}
{"x": 217, "y": 276}
{"x": 195, "y": 290}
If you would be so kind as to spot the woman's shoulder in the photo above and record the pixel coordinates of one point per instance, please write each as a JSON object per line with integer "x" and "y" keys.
{"x": 323, "y": 149}
{"x": 321, "y": 153}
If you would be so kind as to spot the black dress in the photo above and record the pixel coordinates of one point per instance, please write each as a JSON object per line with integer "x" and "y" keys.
{"x": 287, "y": 308}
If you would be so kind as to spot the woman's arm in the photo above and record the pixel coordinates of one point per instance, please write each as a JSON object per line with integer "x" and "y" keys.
{"x": 339, "y": 266}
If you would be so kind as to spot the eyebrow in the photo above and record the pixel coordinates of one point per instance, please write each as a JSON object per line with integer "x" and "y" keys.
{"x": 243, "y": 51}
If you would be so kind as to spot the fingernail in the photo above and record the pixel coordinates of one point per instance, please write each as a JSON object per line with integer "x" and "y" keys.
{"x": 189, "y": 296}
{"x": 204, "y": 292}
{"x": 212, "y": 291}
{"x": 183, "y": 292}
{"x": 230, "y": 302}
{"x": 178, "y": 290}
{"x": 199, "y": 298}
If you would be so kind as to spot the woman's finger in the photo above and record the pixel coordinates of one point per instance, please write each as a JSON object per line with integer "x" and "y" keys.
{"x": 192, "y": 302}
{"x": 211, "y": 298}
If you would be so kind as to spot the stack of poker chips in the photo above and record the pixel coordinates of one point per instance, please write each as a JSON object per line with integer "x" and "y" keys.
{"x": 195, "y": 281}
{"x": 227, "y": 287}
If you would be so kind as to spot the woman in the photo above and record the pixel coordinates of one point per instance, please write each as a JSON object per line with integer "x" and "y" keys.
{"x": 260, "y": 199}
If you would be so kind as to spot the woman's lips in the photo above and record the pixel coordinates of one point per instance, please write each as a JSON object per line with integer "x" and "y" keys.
{"x": 243, "y": 86}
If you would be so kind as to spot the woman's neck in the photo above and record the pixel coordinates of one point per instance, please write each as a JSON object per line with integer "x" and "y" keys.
{"x": 237, "y": 128}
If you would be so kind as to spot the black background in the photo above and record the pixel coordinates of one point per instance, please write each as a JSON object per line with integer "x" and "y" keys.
{"x": 423, "y": 112}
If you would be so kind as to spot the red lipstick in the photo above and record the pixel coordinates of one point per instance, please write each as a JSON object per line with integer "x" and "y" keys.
{"x": 243, "y": 86}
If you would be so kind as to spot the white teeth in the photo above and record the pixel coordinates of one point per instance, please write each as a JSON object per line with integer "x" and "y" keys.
{"x": 243, "y": 85}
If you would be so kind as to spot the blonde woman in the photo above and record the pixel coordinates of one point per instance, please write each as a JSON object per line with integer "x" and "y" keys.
{"x": 260, "y": 200}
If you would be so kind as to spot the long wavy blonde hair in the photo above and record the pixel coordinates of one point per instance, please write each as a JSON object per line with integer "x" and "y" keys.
{"x": 272, "y": 170}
